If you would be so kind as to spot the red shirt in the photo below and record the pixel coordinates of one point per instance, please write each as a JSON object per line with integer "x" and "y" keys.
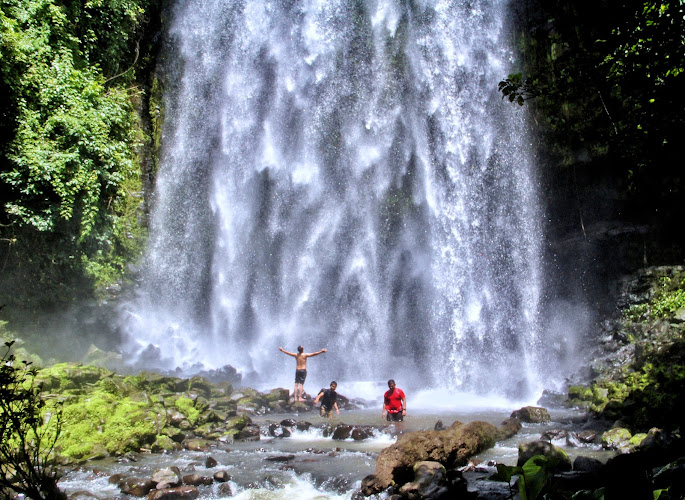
{"x": 393, "y": 400}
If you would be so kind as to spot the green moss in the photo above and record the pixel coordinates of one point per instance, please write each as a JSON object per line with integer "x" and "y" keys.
{"x": 103, "y": 420}
{"x": 668, "y": 297}
{"x": 187, "y": 407}
{"x": 637, "y": 439}
{"x": 238, "y": 423}
{"x": 70, "y": 377}
{"x": 580, "y": 392}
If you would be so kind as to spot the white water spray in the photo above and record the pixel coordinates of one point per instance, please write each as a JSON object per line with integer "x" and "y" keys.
{"x": 344, "y": 174}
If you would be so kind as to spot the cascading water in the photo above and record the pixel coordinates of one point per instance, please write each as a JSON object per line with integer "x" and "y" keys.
{"x": 344, "y": 174}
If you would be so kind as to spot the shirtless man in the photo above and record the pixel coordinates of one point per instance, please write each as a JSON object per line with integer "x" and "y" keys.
{"x": 300, "y": 369}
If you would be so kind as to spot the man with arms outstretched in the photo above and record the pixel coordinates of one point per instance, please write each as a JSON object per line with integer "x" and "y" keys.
{"x": 300, "y": 369}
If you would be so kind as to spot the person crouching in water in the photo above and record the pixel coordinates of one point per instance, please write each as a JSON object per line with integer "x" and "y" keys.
{"x": 394, "y": 403}
{"x": 328, "y": 398}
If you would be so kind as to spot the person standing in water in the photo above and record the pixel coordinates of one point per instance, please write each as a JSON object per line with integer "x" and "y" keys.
{"x": 300, "y": 369}
{"x": 328, "y": 398}
{"x": 394, "y": 403}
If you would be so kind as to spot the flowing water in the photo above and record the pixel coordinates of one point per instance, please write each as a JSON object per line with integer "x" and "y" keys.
{"x": 344, "y": 174}
{"x": 307, "y": 465}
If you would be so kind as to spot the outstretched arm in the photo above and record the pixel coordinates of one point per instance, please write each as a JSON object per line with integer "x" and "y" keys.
{"x": 335, "y": 405}
{"x": 318, "y": 396}
{"x": 309, "y": 355}
{"x": 286, "y": 352}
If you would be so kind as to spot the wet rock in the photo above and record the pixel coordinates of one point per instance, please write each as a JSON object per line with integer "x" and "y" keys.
{"x": 197, "y": 480}
{"x": 432, "y": 480}
{"x": 557, "y": 457}
{"x": 178, "y": 493}
{"x": 225, "y": 490}
{"x": 303, "y": 426}
{"x": 210, "y": 462}
{"x": 587, "y": 464}
{"x": 342, "y": 431}
{"x": 280, "y": 458}
{"x": 249, "y": 433}
{"x": 289, "y": 422}
{"x": 83, "y": 495}
{"x": 196, "y": 444}
{"x": 136, "y": 486}
{"x": 359, "y": 433}
{"x": 552, "y": 399}
{"x": 278, "y": 431}
{"x": 616, "y": 438}
{"x": 586, "y": 437}
{"x": 554, "y": 435}
{"x": 508, "y": 428}
{"x": 532, "y": 414}
{"x": 278, "y": 394}
{"x": 115, "y": 478}
{"x": 451, "y": 447}
{"x": 168, "y": 475}
{"x": 222, "y": 476}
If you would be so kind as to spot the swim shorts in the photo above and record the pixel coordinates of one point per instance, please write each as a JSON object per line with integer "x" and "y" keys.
{"x": 300, "y": 375}
{"x": 394, "y": 417}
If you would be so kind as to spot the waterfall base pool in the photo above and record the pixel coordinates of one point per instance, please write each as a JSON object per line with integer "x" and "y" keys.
{"x": 307, "y": 465}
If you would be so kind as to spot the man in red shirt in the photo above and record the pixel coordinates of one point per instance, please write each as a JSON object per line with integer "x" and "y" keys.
{"x": 394, "y": 403}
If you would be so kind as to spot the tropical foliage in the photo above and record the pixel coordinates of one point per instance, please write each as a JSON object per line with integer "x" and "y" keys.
{"x": 605, "y": 80}
{"x": 28, "y": 433}
{"x": 70, "y": 138}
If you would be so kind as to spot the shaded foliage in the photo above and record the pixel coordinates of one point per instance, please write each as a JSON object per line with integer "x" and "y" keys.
{"x": 605, "y": 81}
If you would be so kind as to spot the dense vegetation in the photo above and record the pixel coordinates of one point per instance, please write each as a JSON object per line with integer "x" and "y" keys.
{"x": 73, "y": 106}
{"x": 28, "y": 433}
{"x": 604, "y": 81}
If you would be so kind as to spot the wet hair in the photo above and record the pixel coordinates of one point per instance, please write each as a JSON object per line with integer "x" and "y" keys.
{"x": 334, "y": 383}
{"x": 391, "y": 382}
{"x": 300, "y": 348}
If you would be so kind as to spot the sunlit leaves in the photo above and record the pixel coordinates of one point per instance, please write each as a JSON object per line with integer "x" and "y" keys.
{"x": 74, "y": 142}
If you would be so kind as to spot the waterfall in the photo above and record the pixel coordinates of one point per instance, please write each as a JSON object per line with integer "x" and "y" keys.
{"x": 344, "y": 174}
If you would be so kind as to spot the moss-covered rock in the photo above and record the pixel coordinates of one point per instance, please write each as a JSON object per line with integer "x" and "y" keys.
{"x": 616, "y": 438}
{"x": 104, "y": 421}
{"x": 70, "y": 378}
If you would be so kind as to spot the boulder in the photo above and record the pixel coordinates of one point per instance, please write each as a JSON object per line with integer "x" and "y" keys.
{"x": 359, "y": 433}
{"x": 197, "y": 480}
{"x": 210, "y": 462}
{"x": 587, "y": 464}
{"x": 302, "y": 425}
{"x": 249, "y": 433}
{"x": 432, "y": 481}
{"x": 225, "y": 490}
{"x": 178, "y": 493}
{"x": 450, "y": 447}
{"x": 342, "y": 432}
{"x": 532, "y": 415}
{"x": 616, "y": 438}
{"x": 168, "y": 475}
{"x": 222, "y": 476}
{"x": 136, "y": 486}
{"x": 278, "y": 431}
{"x": 554, "y": 454}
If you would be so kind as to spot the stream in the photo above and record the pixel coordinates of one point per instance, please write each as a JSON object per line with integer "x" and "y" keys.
{"x": 308, "y": 465}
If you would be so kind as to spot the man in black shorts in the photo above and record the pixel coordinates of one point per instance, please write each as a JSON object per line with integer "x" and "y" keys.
{"x": 300, "y": 369}
{"x": 328, "y": 398}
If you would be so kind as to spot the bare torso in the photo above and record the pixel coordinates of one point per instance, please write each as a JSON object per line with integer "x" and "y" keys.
{"x": 301, "y": 360}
